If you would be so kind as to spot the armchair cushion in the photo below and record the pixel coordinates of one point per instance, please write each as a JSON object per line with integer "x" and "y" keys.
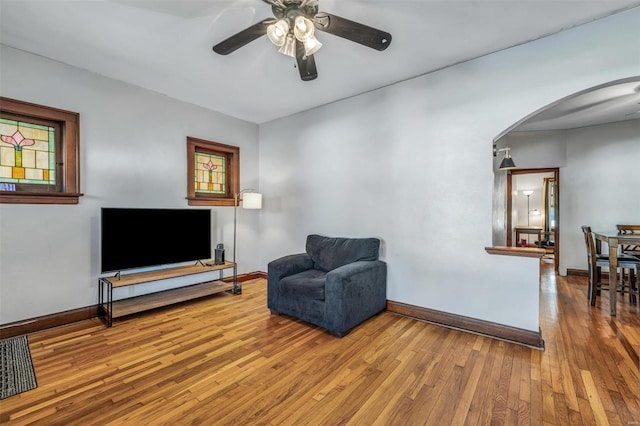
{"x": 331, "y": 253}
{"x": 309, "y": 284}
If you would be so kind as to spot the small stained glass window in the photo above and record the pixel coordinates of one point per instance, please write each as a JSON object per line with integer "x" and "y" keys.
{"x": 210, "y": 173}
{"x": 27, "y": 153}
{"x": 213, "y": 173}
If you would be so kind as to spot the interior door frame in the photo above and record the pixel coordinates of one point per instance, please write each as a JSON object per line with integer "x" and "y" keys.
{"x": 556, "y": 234}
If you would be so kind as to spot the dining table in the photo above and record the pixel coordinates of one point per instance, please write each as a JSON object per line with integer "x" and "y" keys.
{"x": 614, "y": 240}
{"x": 532, "y": 230}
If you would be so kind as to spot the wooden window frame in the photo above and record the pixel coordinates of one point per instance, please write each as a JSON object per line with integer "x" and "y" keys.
{"x": 232, "y": 173}
{"x": 68, "y": 175}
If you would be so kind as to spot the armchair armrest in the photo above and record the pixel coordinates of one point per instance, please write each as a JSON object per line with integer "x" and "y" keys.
{"x": 289, "y": 265}
{"x": 283, "y": 267}
{"x": 355, "y": 292}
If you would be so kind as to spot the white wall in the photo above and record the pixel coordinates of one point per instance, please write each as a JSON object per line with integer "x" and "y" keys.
{"x": 411, "y": 163}
{"x": 133, "y": 154}
{"x": 600, "y": 185}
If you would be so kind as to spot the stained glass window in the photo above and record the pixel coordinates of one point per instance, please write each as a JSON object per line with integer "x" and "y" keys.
{"x": 210, "y": 173}
{"x": 27, "y": 153}
{"x": 213, "y": 173}
{"x": 39, "y": 154}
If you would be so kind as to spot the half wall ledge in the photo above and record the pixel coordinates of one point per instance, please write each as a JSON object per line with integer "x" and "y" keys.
{"x": 516, "y": 251}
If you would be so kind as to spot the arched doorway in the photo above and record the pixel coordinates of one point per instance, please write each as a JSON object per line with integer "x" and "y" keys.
{"x": 538, "y": 143}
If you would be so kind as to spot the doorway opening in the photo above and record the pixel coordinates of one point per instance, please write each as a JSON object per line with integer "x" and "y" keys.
{"x": 533, "y": 210}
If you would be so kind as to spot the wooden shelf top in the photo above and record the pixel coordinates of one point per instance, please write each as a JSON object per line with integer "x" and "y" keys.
{"x": 163, "y": 274}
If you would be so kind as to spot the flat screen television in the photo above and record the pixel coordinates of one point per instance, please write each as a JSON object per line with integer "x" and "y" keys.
{"x": 136, "y": 238}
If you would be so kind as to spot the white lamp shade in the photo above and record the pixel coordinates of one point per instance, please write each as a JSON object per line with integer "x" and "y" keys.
{"x": 252, "y": 200}
{"x": 527, "y": 192}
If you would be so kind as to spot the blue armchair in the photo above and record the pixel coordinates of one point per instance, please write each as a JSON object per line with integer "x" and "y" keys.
{"x": 337, "y": 284}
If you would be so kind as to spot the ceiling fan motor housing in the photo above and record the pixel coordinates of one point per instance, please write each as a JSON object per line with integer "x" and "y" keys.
{"x": 295, "y": 8}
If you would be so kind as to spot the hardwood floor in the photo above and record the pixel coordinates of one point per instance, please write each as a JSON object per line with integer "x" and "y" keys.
{"x": 226, "y": 360}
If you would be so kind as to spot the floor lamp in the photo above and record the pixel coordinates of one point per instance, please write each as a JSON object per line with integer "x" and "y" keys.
{"x": 528, "y": 194}
{"x": 250, "y": 200}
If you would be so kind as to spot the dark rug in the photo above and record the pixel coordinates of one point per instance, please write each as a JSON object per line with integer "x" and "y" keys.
{"x": 16, "y": 372}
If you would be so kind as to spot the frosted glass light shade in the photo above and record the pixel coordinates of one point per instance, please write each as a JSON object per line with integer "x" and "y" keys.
{"x": 278, "y": 31}
{"x": 527, "y": 192}
{"x": 289, "y": 47}
{"x": 311, "y": 46}
{"x": 303, "y": 28}
{"x": 252, "y": 200}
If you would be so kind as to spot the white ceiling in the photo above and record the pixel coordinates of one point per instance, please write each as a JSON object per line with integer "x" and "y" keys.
{"x": 165, "y": 45}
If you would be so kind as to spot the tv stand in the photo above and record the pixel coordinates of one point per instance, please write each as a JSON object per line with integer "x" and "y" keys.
{"x": 109, "y": 309}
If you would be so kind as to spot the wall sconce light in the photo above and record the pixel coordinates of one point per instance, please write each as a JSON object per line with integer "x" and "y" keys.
{"x": 507, "y": 162}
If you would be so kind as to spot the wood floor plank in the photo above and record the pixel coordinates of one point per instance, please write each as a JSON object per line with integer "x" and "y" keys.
{"x": 594, "y": 398}
{"x": 484, "y": 398}
{"x": 227, "y": 360}
{"x": 464, "y": 403}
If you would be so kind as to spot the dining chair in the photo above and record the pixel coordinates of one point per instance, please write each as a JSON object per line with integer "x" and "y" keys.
{"x": 597, "y": 261}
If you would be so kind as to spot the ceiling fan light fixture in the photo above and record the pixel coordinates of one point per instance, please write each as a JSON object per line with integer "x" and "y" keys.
{"x": 303, "y": 28}
{"x": 277, "y": 32}
{"x": 293, "y": 31}
{"x": 289, "y": 47}
{"x": 311, "y": 46}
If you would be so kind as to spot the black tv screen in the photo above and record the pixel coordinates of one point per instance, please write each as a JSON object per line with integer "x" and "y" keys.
{"x": 137, "y": 238}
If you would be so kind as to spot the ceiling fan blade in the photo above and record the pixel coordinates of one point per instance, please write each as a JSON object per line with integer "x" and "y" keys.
{"x": 306, "y": 64}
{"x": 244, "y": 37}
{"x": 354, "y": 31}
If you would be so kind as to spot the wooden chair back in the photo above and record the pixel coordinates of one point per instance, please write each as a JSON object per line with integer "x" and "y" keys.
{"x": 592, "y": 261}
{"x": 590, "y": 244}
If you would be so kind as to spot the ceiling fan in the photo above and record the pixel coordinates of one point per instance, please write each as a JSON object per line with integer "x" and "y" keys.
{"x": 293, "y": 30}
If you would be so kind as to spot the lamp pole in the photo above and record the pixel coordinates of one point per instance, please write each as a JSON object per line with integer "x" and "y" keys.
{"x": 528, "y": 193}
{"x": 236, "y": 203}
